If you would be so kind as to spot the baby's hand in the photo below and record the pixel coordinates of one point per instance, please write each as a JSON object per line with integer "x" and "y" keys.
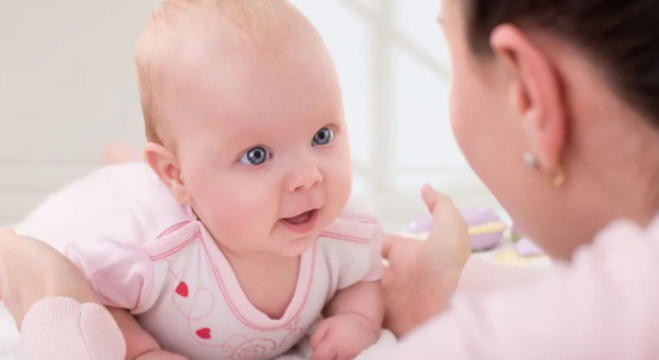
{"x": 343, "y": 337}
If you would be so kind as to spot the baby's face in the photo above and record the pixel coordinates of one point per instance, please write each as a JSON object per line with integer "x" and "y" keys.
{"x": 263, "y": 146}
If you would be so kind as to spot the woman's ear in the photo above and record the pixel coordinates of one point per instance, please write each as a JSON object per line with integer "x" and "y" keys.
{"x": 535, "y": 93}
{"x": 166, "y": 166}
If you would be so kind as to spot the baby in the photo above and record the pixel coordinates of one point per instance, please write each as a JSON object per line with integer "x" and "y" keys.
{"x": 239, "y": 234}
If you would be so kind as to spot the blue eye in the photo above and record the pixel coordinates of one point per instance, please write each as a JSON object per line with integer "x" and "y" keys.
{"x": 255, "y": 156}
{"x": 323, "y": 137}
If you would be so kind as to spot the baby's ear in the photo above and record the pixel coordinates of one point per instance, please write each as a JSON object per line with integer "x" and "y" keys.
{"x": 166, "y": 166}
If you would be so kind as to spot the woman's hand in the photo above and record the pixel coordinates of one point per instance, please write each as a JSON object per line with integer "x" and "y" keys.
{"x": 31, "y": 270}
{"x": 423, "y": 275}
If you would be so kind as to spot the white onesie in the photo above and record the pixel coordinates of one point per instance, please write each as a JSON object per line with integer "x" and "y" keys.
{"x": 143, "y": 251}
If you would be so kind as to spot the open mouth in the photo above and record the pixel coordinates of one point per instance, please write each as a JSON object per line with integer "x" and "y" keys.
{"x": 302, "y": 223}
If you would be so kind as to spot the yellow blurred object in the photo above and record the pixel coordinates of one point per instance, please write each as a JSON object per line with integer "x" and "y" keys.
{"x": 509, "y": 256}
{"x": 492, "y": 227}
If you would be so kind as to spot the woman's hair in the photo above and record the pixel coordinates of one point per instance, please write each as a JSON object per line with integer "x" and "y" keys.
{"x": 622, "y": 36}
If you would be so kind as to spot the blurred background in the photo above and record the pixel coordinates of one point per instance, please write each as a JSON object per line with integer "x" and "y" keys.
{"x": 67, "y": 87}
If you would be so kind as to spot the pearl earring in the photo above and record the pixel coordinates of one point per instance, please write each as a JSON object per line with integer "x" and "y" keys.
{"x": 555, "y": 177}
{"x": 531, "y": 161}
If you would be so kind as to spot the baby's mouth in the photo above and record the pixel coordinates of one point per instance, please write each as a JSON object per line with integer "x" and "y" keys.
{"x": 302, "y": 223}
{"x": 302, "y": 218}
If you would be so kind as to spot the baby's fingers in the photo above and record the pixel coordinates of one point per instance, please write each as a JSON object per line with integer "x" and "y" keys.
{"x": 319, "y": 334}
{"x": 326, "y": 350}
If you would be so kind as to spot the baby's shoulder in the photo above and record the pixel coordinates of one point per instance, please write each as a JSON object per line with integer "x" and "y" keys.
{"x": 356, "y": 225}
{"x": 122, "y": 202}
{"x": 351, "y": 246}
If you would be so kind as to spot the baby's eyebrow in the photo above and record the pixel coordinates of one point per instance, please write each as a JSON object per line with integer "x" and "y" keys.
{"x": 239, "y": 141}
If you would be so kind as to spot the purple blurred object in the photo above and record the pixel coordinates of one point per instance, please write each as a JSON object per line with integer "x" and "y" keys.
{"x": 527, "y": 248}
{"x": 475, "y": 217}
{"x": 487, "y": 241}
{"x": 479, "y": 216}
{"x": 422, "y": 225}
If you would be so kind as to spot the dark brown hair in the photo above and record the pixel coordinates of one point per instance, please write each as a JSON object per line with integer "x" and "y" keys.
{"x": 621, "y": 35}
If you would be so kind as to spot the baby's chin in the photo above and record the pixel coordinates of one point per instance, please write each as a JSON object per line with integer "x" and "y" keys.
{"x": 297, "y": 247}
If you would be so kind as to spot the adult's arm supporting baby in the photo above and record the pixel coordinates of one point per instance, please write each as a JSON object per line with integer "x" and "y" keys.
{"x": 140, "y": 345}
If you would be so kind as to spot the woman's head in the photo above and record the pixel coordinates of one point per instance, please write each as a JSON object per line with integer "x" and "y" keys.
{"x": 574, "y": 83}
{"x": 620, "y": 36}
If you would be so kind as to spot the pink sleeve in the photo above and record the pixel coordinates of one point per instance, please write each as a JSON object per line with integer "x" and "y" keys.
{"x": 376, "y": 268}
{"x": 100, "y": 222}
{"x": 120, "y": 272}
{"x": 602, "y": 306}
{"x": 63, "y": 329}
{"x": 354, "y": 243}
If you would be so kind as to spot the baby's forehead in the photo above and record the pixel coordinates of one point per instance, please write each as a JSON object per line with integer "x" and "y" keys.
{"x": 234, "y": 19}
{"x": 188, "y": 40}
{"x": 184, "y": 33}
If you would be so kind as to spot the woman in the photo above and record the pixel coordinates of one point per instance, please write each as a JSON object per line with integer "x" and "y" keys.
{"x": 567, "y": 104}
{"x": 566, "y": 135}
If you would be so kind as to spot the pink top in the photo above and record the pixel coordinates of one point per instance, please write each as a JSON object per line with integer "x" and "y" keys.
{"x": 144, "y": 252}
{"x": 604, "y": 305}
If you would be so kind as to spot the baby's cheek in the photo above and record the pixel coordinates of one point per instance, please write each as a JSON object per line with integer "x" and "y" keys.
{"x": 338, "y": 188}
{"x": 343, "y": 178}
{"x": 245, "y": 211}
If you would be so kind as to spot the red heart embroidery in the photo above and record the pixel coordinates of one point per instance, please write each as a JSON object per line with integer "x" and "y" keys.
{"x": 182, "y": 289}
{"x": 204, "y": 333}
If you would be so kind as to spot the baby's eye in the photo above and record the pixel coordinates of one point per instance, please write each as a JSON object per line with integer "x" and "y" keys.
{"x": 323, "y": 137}
{"x": 255, "y": 156}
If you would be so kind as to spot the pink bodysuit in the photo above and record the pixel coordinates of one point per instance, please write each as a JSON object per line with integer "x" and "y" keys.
{"x": 143, "y": 251}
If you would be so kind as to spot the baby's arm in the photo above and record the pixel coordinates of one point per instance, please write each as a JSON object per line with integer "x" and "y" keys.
{"x": 363, "y": 299}
{"x": 140, "y": 345}
{"x": 354, "y": 320}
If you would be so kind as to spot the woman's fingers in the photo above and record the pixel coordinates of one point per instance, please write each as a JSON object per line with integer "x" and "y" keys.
{"x": 389, "y": 242}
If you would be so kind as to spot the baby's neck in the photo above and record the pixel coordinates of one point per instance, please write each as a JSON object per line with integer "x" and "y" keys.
{"x": 258, "y": 262}
{"x": 268, "y": 281}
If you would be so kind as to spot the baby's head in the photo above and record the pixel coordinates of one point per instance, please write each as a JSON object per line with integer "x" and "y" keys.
{"x": 245, "y": 122}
